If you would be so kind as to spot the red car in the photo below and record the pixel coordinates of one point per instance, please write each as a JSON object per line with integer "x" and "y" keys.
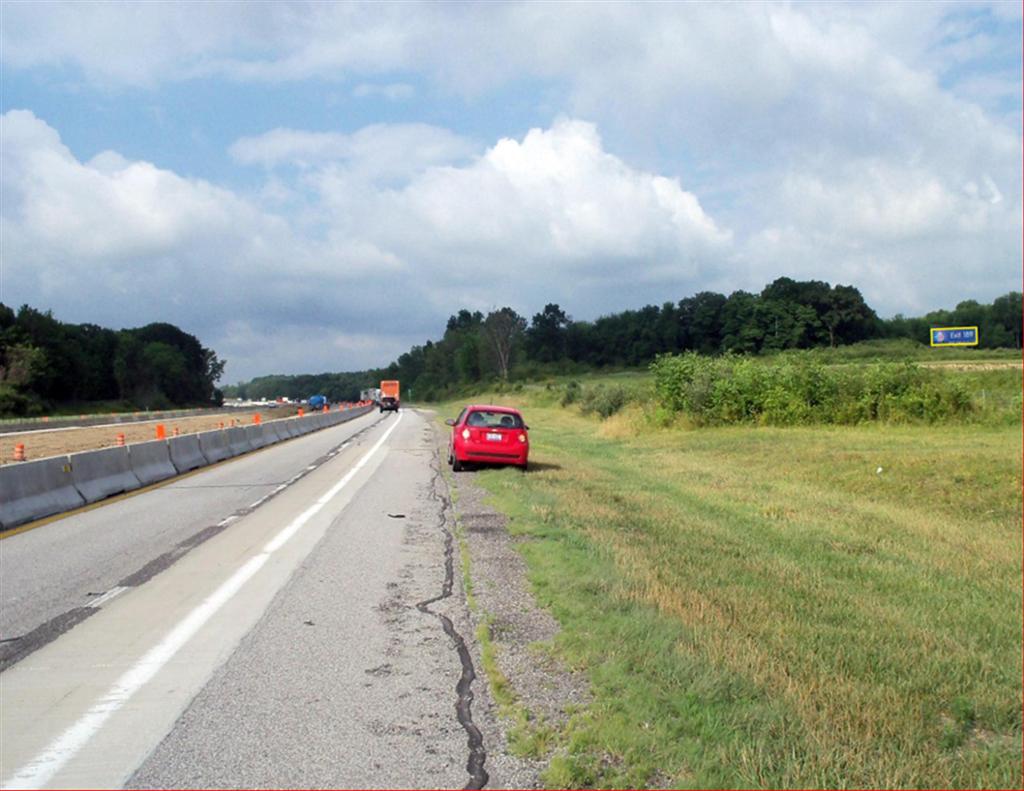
{"x": 491, "y": 434}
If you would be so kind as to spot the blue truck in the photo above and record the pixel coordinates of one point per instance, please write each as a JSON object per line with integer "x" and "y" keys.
{"x": 317, "y": 401}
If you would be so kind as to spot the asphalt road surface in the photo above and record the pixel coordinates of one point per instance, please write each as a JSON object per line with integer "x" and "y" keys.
{"x": 285, "y": 619}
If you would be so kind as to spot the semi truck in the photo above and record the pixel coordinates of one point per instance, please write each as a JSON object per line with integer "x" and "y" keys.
{"x": 389, "y": 395}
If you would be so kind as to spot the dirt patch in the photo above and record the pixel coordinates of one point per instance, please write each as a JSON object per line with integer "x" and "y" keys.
{"x": 968, "y": 366}
{"x": 59, "y": 442}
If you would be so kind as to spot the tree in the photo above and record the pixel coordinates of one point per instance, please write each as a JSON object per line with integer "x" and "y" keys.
{"x": 700, "y": 317}
{"x": 546, "y": 337}
{"x": 19, "y": 364}
{"x": 785, "y": 325}
{"x": 503, "y": 329}
{"x": 847, "y": 316}
{"x": 741, "y": 331}
{"x": 1006, "y": 315}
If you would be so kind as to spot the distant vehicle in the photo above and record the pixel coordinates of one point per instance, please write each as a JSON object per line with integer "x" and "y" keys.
{"x": 370, "y": 394}
{"x": 488, "y": 434}
{"x": 389, "y": 399}
{"x": 317, "y": 401}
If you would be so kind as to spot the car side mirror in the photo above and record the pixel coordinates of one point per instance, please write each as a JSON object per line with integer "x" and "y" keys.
{"x": 526, "y": 427}
{"x": 450, "y": 422}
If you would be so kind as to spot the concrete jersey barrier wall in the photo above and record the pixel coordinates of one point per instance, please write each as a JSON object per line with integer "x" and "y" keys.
{"x": 186, "y": 454}
{"x": 35, "y": 489}
{"x": 215, "y": 445}
{"x": 260, "y": 436}
{"x": 151, "y": 461}
{"x": 276, "y": 429}
{"x": 238, "y": 441}
{"x": 290, "y": 426}
{"x": 100, "y": 473}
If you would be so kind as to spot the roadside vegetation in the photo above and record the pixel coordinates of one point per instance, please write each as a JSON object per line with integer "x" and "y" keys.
{"x": 791, "y": 603}
{"x": 831, "y": 321}
{"x": 51, "y": 367}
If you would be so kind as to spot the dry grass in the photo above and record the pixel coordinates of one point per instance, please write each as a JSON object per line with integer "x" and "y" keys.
{"x": 775, "y": 607}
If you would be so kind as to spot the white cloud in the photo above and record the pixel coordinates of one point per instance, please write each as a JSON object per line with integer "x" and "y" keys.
{"x": 379, "y": 150}
{"x": 108, "y": 208}
{"x": 872, "y": 144}
{"x": 393, "y": 92}
{"x": 551, "y": 216}
{"x": 556, "y": 196}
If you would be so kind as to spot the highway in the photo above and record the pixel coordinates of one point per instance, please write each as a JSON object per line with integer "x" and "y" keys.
{"x": 284, "y": 619}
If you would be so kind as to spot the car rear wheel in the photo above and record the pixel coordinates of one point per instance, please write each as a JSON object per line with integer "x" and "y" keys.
{"x": 457, "y": 466}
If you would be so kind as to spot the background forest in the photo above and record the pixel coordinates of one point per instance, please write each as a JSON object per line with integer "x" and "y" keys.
{"x": 47, "y": 365}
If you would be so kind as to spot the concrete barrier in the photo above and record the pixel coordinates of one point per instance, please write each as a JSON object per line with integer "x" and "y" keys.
{"x": 260, "y": 436}
{"x": 238, "y": 441}
{"x": 34, "y": 489}
{"x": 100, "y": 473}
{"x": 186, "y": 454}
{"x": 278, "y": 428}
{"x": 37, "y": 489}
{"x": 215, "y": 445}
{"x": 151, "y": 461}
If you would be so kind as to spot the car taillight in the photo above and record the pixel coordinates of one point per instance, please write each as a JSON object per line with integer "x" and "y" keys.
{"x": 465, "y": 433}
{"x": 522, "y": 438}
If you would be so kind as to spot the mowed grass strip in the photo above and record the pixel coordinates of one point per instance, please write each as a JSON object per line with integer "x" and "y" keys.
{"x": 833, "y": 607}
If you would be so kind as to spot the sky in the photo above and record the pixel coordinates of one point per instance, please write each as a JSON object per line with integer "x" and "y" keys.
{"x": 311, "y": 187}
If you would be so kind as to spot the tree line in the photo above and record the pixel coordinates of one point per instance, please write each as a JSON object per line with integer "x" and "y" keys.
{"x": 786, "y": 314}
{"x": 45, "y": 363}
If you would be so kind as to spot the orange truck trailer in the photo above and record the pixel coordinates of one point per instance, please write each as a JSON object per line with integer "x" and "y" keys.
{"x": 389, "y": 395}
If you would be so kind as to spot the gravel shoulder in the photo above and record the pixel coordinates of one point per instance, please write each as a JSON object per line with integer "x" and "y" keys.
{"x": 544, "y": 691}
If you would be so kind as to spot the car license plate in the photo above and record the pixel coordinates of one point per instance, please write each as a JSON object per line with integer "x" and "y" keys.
{"x": 494, "y": 437}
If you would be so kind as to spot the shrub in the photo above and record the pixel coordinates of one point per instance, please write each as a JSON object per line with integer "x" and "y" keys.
{"x": 799, "y": 389}
{"x": 17, "y": 404}
{"x": 572, "y": 393}
{"x": 605, "y": 401}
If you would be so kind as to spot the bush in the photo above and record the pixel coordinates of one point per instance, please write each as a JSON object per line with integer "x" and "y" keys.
{"x": 799, "y": 389}
{"x": 17, "y": 404}
{"x": 572, "y": 393}
{"x": 605, "y": 401}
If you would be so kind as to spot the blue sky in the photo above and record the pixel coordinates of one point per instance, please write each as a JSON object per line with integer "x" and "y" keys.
{"x": 318, "y": 186}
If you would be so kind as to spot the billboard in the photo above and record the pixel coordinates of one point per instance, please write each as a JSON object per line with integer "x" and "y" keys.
{"x": 954, "y": 336}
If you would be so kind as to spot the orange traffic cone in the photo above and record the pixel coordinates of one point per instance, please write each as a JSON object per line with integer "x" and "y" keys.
{"x": 161, "y": 432}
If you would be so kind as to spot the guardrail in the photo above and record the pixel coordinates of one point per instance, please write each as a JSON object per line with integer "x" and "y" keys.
{"x": 36, "y": 489}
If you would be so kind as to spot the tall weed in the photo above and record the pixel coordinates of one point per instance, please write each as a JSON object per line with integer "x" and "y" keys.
{"x": 799, "y": 389}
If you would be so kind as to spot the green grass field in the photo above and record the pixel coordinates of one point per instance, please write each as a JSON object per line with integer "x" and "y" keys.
{"x": 758, "y": 607}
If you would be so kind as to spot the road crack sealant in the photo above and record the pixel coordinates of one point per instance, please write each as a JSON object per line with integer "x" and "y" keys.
{"x": 14, "y": 649}
{"x": 478, "y": 776}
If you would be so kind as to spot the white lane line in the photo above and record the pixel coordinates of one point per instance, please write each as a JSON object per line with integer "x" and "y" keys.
{"x": 302, "y": 518}
{"x": 41, "y": 769}
{"x": 284, "y": 486}
{"x": 99, "y": 601}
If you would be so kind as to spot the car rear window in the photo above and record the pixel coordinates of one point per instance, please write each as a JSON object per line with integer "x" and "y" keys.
{"x": 484, "y": 419}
